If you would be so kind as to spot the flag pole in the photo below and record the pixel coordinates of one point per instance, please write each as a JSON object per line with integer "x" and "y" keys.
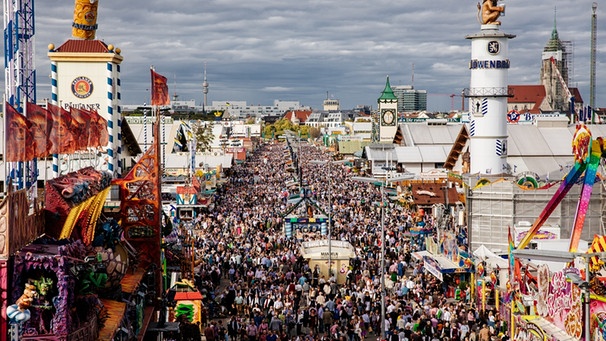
{"x": 6, "y": 176}
{"x": 157, "y": 144}
{"x": 47, "y": 148}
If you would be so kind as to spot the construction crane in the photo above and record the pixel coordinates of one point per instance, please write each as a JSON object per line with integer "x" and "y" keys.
{"x": 452, "y": 97}
{"x": 569, "y": 96}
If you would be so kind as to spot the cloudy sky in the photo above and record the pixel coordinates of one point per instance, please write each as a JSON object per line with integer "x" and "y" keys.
{"x": 262, "y": 50}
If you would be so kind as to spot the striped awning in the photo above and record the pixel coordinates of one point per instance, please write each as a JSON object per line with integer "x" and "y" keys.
{"x": 598, "y": 245}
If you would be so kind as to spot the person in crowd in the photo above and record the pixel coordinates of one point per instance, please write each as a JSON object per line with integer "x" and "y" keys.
{"x": 257, "y": 275}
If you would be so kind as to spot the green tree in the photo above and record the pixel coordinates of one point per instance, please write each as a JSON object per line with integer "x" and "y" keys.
{"x": 314, "y": 132}
{"x": 203, "y": 133}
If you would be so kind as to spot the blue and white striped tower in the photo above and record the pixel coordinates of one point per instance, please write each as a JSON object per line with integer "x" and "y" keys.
{"x": 488, "y": 93}
{"x": 85, "y": 73}
{"x": 55, "y": 101}
{"x": 97, "y": 66}
{"x": 114, "y": 150}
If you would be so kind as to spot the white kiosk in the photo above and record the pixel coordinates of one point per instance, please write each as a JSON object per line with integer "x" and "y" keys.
{"x": 317, "y": 253}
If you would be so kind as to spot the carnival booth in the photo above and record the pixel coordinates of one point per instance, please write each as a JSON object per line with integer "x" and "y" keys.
{"x": 446, "y": 261}
{"x": 186, "y": 301}
{"x": 317, "y": 252}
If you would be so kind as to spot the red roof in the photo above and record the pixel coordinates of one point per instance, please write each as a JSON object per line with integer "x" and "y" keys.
{"x": 86, "y": 46}
{"x": 528, "y": 94}
{"x": 427, "y": 194}
{"x": 577, "y": 95}
{"x": 186, "y": 190}
{"x": 535, "y": 94}
{"x": 302, "y": 115}
{"x": 188, "y": 295}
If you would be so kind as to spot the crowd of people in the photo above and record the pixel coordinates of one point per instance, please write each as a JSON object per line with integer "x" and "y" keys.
{"x": 262, "y": 289}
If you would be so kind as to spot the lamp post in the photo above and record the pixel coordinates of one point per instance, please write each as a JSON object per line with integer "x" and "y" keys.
{"x": 329, "y": 163}
{"x": 329, "y": 223}
{"x": 382, "y": 261}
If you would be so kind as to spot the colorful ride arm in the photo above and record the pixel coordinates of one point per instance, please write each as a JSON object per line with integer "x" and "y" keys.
{"x": 597, "y": 151}
{"x": 565, "y": 186}
{"x": 587, "y": 153}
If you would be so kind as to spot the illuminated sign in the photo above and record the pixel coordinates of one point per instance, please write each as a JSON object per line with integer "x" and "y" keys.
{"x": 489, "y": 64}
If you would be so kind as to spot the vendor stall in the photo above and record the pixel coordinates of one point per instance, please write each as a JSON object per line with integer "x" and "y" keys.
{"x": 317, "y": 252}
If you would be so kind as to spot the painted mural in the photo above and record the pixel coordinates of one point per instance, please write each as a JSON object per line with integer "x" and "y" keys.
{"x": 598, "y": 318}
{"x": 555, "y": 301}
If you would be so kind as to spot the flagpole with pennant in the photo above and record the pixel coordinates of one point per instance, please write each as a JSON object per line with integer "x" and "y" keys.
{"x": 6, "y": 175}
{"x": 159, "y": 97}
{"x": 510, "y": 248}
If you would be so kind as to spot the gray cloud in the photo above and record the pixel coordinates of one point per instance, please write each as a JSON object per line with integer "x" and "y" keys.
{"x": 263, "y": 50}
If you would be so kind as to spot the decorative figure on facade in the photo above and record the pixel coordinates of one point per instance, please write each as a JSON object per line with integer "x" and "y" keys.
{"x": 490, "y": 12}
{"x": 45, "y": 304}
{"x": 19, "y": 312}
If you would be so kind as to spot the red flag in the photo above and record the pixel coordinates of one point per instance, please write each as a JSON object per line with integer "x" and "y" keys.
{"x": 61, "y": 136}
{"x": 81, "y": 127}
{"x": 196, "y": 183}
{"x": 19, "y": 141}
{"x": 159, "y": 94}
{"x": 99, "y": 135}
{"x": 41, "y": 126}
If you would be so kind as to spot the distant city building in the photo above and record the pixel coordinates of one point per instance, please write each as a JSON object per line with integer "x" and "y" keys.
{"x": 315, "y": 119}
{"x": 556, "y": 91}
{"x": 328, "y": 122}
{"x": 410, "y": 99}
{"x": 297, "y": 117}
{"x": 551, "y": 96}
{"x": 240, "y": 109}
{"x": 184, "y": 106}
{"x": 333, "y": 123}
{"x": 331, "y": 104}
{"x": 362, "y": 128}
{"x": 234, "y": 109}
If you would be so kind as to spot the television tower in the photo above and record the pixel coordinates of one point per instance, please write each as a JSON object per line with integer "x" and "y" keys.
{"x": 205, "y": 88}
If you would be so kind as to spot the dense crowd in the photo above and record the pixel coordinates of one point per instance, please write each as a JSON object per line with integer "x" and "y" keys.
{"x": 263, "y": 290}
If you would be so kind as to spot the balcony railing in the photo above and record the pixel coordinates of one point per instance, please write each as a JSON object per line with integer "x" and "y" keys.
{"x": 488, "y": 92}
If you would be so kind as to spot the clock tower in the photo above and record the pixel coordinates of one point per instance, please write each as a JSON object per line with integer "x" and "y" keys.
{"x": 388, "y": 114}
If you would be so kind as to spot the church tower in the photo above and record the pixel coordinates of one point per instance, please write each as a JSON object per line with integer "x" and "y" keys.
{"x": 388, "y": 114}
{"x": 557, "y": 49}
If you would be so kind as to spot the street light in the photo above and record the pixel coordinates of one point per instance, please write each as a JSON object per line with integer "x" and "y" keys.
{"x": 382, "y": 205}
{"x": 319, "y": 162}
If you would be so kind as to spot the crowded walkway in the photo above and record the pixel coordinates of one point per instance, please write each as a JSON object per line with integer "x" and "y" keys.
{"x": 263, "y": 290}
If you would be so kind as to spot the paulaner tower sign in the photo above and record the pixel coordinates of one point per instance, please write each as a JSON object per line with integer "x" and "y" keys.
{"x": 488, "y": 92}
{"x": 85, "y": 74}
